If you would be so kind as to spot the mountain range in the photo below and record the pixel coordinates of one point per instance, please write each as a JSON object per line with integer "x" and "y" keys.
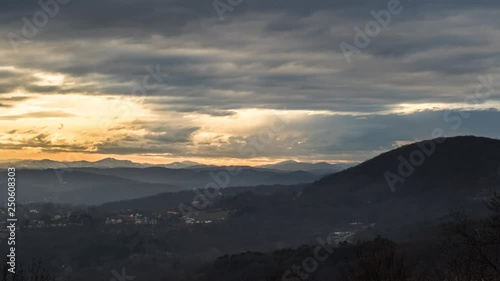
{"x": 99, "y": 185}
{"x": 316, "y": 168}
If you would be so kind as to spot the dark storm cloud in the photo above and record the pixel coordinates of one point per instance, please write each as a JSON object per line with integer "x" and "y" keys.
{"x": 155, "y": 13}
{"x": 116, "y": 40}
{"x": 142, "y": 18}
{"x": 266, "y": 55}
{"x": 399, "y": 46}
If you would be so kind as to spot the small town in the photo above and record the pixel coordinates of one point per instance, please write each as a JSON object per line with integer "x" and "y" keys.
{"x": 63, "y": 216}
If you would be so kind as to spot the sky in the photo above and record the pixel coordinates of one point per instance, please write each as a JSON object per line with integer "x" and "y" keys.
{"x": 243, "y": 81}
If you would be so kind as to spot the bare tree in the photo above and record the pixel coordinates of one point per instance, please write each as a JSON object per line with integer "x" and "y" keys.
{"x": 473, "y": 246}
{"x": 34, "y": 272}
{"x": 377, "y": 260}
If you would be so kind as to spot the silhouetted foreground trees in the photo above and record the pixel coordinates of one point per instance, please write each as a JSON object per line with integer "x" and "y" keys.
{"x": 473, "y": 246}
{"x": 35, "y": 271}
{"x": 466, "y": 250}
{"x": 377, "y": 260}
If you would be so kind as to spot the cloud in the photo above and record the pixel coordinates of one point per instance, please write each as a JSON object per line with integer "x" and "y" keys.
{"x": 37, "y": 115}
{"x": 172, "y": 135}
{"x": 266, "y": 55}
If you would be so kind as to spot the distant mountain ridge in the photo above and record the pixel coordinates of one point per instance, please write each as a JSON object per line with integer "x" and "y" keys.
{"x": 51, "y": 164}
{"x": 181, "y": 165}
{"x": 99, "y": 185}
{"x": 316, "y": 168}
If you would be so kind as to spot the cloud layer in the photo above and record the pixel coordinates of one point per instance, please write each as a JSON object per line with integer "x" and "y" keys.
{"x": 171, "y": 79}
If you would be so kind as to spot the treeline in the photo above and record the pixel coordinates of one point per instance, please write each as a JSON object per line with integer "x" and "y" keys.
{"x": 34, "y": 271}
{"x": 464, "y": 250}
